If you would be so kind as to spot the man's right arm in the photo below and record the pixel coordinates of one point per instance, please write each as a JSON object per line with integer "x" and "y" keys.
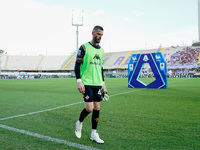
{"x": 79, "y": 61}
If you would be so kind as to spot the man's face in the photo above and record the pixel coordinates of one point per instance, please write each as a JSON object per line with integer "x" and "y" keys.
{"x": 97, "y": 35}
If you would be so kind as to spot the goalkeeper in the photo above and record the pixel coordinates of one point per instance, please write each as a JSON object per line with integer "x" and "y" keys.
{"x": 90, "y": 81}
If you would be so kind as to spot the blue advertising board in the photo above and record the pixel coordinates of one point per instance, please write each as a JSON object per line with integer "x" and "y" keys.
{"x": 158, "y": 66}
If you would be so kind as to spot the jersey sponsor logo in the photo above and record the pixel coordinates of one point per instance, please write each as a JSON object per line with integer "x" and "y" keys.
{"x": 97, "y": 57}
{"x": 95, "y": 63}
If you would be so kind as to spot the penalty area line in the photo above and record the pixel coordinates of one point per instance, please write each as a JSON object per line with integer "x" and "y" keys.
{"x": 48, "y": 138}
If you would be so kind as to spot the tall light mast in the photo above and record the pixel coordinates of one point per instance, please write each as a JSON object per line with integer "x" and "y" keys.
{"x": 77, "y": 20}
{"x": 1, "y": 52}
{"x": 197, "y": 44}
{"x": 199, "y": 18}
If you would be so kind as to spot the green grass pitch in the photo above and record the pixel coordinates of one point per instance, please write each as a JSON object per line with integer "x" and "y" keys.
{"x": 131, "y": 119}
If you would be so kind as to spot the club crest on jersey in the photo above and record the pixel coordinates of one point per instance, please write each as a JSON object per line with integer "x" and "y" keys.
{"x": 87, "y": 97}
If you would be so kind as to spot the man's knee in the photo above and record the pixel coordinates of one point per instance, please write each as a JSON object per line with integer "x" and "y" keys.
{"x": 97, "y": 106}
{"x": 89, "y": 107}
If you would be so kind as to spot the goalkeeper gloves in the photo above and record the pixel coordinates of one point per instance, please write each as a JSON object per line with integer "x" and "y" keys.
{"x": 105, "y": 96}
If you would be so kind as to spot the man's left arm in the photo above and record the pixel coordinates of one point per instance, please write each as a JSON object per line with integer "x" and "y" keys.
{"x": 104, "y": 91}
{"x": 104, "y": 85}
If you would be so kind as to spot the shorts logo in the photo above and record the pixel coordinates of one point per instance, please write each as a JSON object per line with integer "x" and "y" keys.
{"x": 87, "y": 97}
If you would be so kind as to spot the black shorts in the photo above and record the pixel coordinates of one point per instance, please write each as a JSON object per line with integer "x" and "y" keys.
{"x": 92, "y": 93}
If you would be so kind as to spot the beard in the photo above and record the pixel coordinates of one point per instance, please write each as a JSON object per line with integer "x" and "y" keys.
{"x": 97, "y": 40}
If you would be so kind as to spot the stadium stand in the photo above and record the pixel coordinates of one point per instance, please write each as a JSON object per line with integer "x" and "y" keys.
{"x": 113, "y": 60}
{"x": 3, "y": 61}
{"x": 181, "y": 57}
{"x": 70, "y": 64}
{"x": 21, "y": 62}
{"x": 179, "y": 60}
{"x": 12, "y": 62}
{"x": 120, "y": 60}
{"x": 51, "y": 62}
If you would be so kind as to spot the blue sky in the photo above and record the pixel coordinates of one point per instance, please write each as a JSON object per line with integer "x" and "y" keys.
{"x": 32, "y": 27}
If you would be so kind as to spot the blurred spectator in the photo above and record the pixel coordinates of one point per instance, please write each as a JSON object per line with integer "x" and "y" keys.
{"x": 185, "y": 56}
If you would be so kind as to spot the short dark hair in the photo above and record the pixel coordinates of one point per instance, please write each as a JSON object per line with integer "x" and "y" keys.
{"x": 97, "y": 27}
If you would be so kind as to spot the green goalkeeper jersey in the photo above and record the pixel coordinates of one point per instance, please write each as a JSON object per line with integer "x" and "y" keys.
{"x": 91, "y": 67}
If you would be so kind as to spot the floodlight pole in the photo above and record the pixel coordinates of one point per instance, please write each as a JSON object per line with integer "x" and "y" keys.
{"x": 197, "y": 43}
{"x": 1, "y": 52}
{"x": 199, "y": 18}
{"x": 77, "y": 20}
{"x": 76, "y": 37}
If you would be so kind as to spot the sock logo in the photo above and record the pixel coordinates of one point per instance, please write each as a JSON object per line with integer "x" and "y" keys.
{"x": 96, "y": 119}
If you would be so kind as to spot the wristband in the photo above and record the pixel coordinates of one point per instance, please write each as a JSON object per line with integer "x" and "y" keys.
{"x": 78, "y": 80}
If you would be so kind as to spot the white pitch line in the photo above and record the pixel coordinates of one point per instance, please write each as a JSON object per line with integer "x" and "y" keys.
{"x": 126, "y": 92}
{"x": 80, "y": 146}
{"x": 48, "y": 138}
{"x": 36, "y": 112}
{"x": 31, "y": 113}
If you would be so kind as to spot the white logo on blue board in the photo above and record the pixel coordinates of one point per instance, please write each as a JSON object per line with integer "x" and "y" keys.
{"x": 145, "y": 58}
{"x": 131, "y": 67}
{"x": 158, "y": 57}
{"x": 162, "y": 66}
{"x": 134, "y": 58}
